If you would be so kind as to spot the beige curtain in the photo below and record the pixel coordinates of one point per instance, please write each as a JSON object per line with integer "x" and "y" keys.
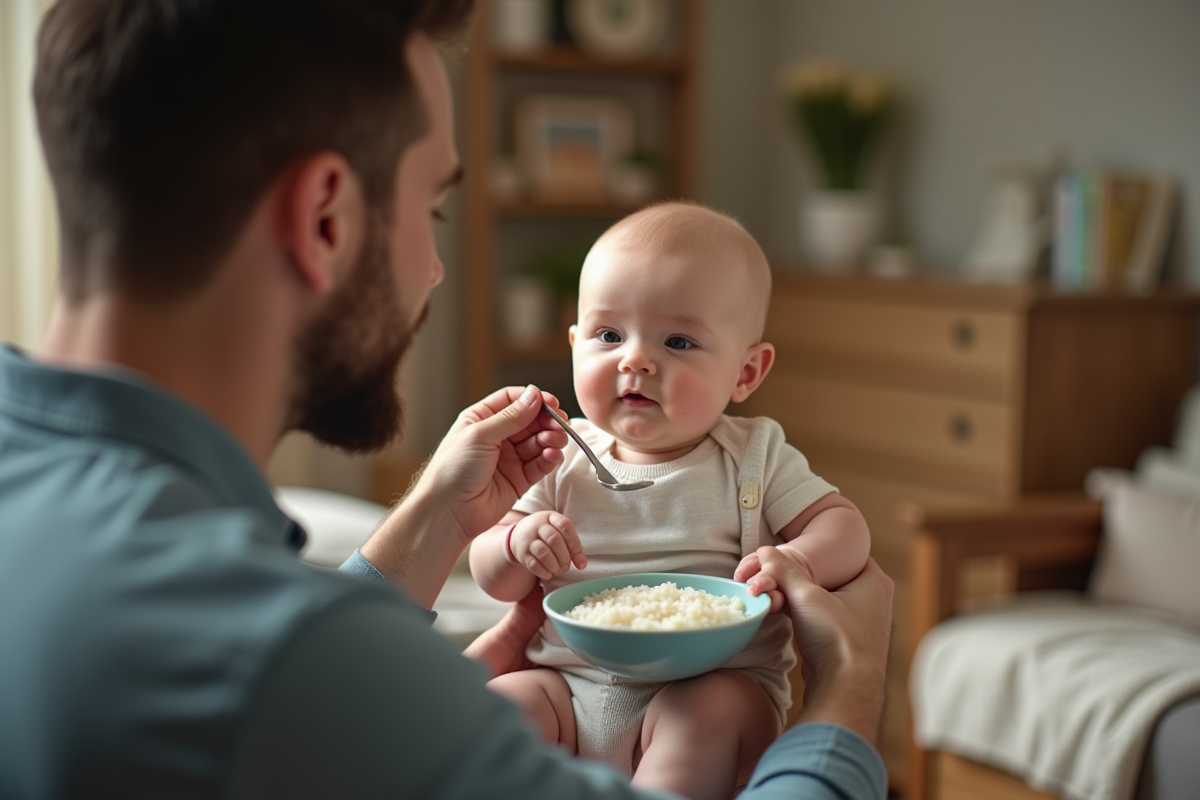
{"x": 28, "y": 234}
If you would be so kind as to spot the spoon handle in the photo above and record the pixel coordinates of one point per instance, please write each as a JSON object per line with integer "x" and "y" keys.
{"x": 603, "y": 474}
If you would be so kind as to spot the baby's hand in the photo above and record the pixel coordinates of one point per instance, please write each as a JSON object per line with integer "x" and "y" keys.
{"x": 749, "y": 571}
{"x": 546, "y": 544}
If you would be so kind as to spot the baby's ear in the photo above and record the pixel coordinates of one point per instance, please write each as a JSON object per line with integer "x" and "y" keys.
{"x": 757, "y": 363}
{"x": 571, "y": 335}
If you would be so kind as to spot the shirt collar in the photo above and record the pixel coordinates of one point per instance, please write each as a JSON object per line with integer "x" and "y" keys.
{"x": 121, "y": 404}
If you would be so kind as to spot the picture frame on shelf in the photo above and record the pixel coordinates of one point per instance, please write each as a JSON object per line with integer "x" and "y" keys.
{"x": 567, "y": 146}
{"x": 619, "y": 30}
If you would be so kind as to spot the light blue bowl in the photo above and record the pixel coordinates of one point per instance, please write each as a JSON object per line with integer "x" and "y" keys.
{"x": 655, "y": 655}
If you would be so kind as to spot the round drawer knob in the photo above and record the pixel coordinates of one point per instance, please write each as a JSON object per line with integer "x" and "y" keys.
{"x": 963, "y": 334}
{"x": 961, "y": 428}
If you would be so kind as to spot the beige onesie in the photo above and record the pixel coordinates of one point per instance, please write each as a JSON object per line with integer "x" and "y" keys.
{"x": 723, "y": 500}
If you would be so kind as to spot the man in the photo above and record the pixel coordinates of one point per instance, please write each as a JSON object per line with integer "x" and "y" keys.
{"x": 246, "y": 193}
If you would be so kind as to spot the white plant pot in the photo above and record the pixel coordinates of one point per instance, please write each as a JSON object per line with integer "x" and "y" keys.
{"x": 525, "y": 311}
{"x": 631, "y": 185}
{"x": 520, "y": 26}
{"x": 837, "y": 229}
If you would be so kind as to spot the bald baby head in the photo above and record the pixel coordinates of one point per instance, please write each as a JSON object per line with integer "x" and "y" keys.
{"x": 715, "y": 245}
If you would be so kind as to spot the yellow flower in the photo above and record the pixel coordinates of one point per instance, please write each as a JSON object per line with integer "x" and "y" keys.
{"x": 866, "y": 93}
{"x": 840, "y": 114}
{"x": 813, "y": 77}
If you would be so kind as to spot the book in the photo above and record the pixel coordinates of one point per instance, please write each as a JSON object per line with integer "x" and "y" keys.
{"x": 1124, "y": 200}
{"x": 1110, "y": 230}
{"x": 1143, "y": 270}
{"x": 1064, "y": 257}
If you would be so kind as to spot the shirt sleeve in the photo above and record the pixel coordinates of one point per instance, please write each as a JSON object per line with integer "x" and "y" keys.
{"x": 818, "y": 761}
{"x": 357, "y": 566}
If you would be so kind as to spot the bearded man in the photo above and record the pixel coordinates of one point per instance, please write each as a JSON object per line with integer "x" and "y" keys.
{"x": 247, "y": 191}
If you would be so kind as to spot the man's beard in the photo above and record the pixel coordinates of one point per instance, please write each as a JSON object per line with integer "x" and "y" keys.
{"x": 347, "y": 359}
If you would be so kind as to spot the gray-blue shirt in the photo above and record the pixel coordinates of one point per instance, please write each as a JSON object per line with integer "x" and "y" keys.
{"x": 159, "y": 638}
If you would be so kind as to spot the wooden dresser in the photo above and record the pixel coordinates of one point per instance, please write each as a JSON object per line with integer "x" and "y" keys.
{"x": 940, "y": 392}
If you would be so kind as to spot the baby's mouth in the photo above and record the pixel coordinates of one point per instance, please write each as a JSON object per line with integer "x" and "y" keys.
{"x": 635, "y": 399}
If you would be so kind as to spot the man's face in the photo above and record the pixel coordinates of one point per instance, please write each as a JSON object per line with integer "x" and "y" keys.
{"x": 348, "y": 357}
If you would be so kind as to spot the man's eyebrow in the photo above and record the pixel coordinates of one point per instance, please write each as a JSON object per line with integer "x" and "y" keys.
{"x": 453, "y": 179}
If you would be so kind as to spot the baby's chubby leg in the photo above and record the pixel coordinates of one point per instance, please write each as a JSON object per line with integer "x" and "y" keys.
{"x": 546, "y": 699}
{"x": 702, "y": 737}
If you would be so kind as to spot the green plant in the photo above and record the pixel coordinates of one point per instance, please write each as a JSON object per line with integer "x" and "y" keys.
{"x": 640, "y": 157}
{"x": 558, "y": 267}
{"x": 841, "y": 114}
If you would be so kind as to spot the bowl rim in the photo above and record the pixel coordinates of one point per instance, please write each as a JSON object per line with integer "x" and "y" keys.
{"x": 665, "y": 578}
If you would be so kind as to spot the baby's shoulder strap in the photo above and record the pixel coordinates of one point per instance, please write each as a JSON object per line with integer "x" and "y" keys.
{"x": 746, "y": 439}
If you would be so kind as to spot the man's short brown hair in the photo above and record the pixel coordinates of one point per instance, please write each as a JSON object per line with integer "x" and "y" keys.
{"x": 164, "y": 121}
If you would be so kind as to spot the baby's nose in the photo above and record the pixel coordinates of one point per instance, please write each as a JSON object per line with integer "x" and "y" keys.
{"x": 636, "y": 359}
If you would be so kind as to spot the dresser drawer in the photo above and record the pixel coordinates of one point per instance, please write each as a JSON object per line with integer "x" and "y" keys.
{"x": 970, "y": 439}
{"x": 894, "y": 343}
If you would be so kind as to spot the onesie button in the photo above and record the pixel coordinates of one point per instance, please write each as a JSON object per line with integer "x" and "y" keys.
{"x": 748, "y": 496}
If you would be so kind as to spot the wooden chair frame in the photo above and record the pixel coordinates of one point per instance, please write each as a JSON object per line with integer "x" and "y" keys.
{"x": 1048, "y": 540}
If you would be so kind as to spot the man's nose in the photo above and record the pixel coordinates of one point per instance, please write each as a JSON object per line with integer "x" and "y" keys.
{"x": 439, "y": 272}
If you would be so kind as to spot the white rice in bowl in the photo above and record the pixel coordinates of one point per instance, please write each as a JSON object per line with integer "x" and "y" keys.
{"x": 665, "y": 607}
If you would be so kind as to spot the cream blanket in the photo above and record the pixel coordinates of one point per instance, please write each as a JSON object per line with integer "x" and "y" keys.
{"x": 1061, "y": 690}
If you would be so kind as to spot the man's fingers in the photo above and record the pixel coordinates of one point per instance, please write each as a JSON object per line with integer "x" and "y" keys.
{"x": 502, "y": 647}
{"x": 509, "y": 420}
{"x": 748, "y": 568}
{"x": 543, "y": 444}
{"x": 777, "y": 601}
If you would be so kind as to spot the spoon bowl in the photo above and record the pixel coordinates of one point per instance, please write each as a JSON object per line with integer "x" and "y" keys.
{"x": 606, "y": 478}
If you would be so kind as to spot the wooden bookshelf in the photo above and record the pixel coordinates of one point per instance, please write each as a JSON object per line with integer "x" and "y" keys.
{"x": 492, "y": 80}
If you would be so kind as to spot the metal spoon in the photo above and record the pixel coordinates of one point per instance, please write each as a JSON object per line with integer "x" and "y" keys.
{"x": 605, "y": 477}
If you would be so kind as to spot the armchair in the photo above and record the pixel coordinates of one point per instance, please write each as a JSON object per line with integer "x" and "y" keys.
{"x": 1047, "y": 542}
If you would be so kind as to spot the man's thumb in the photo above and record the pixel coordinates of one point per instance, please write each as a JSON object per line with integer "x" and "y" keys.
{"x": 512, "y": 419}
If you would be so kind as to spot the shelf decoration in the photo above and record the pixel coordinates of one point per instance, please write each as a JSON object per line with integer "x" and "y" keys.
{"x": 567, "y": 146}
{"x": 619, "y": 30}
{"x": 521, "y": 26}
{"x": 634, "y": 178}
{"x": 840, "y": 115}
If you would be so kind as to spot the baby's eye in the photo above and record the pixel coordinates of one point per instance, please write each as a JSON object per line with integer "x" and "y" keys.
{"x": 610, "y": 337}
{"x": 679, "y": 343}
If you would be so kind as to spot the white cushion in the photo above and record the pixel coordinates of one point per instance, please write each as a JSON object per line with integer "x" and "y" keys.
{"x": 1161, "y": 469}
{"x": 1187, "y": 434}
{"x": 1150, "y": 550}
{"x": 337, "y": 524}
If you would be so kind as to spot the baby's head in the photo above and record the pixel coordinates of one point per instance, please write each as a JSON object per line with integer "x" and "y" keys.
{"x": 672, "y": 304}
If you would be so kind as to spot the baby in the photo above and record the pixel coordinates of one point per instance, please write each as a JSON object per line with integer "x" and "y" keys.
{"x": 672, "y": 305}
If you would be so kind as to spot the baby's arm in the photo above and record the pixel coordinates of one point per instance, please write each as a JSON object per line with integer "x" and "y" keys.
{"x": 829, "y": 540}
{"x": 540, "y": 546}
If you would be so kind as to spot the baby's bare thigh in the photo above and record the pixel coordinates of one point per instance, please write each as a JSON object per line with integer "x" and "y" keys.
{"x": 546, "y": 699}
{"x": 724, "y": 700}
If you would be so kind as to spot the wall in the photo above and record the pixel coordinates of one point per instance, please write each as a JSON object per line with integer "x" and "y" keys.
{"x": 1112, "y": 81}
{"x": 28, "y": 236}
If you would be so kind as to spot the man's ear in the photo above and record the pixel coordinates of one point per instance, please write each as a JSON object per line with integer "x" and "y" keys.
{"x": 324, "y": 219}
{"x": 758, "y": 362}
